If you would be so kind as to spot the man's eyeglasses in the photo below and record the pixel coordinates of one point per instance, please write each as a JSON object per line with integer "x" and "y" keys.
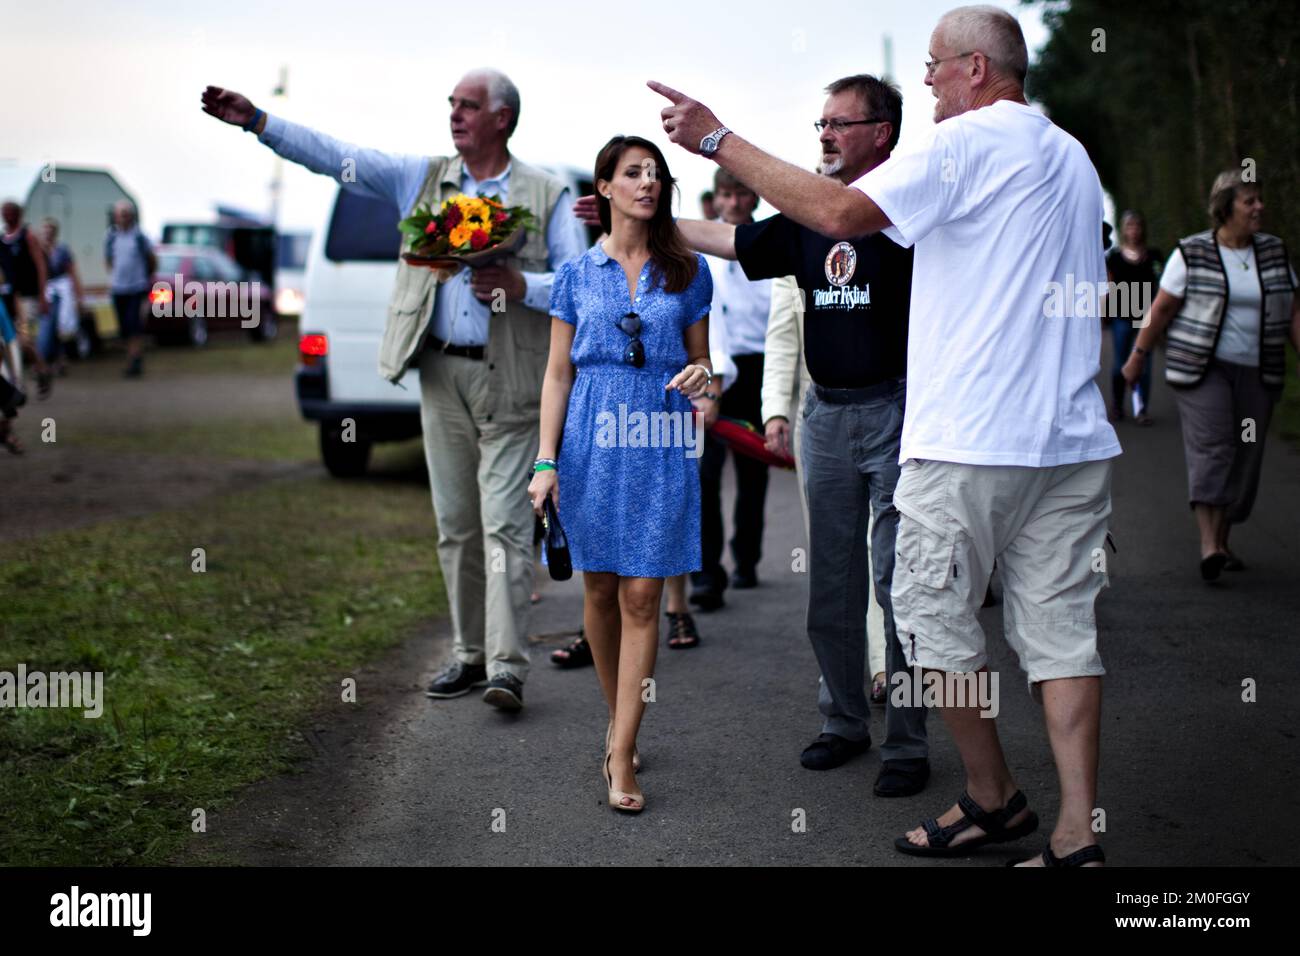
{"x": 839, "y": 125}
{"x": 932, "y": 65}
{"x": 634, "y": 354}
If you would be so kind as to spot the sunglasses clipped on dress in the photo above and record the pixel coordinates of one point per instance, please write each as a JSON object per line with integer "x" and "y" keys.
{"x": 634, "y": 354}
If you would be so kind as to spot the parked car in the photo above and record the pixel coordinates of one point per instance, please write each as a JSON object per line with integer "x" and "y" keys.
{"x": 228, "y": 298}
{"x": 351, "y": 267}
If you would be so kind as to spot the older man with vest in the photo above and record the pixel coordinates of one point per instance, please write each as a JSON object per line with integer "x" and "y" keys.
{"x": 480, "y": 368}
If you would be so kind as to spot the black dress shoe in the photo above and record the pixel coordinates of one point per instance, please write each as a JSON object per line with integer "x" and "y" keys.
{"x": 829, "y": 751}
{"x": 902, "y": 778}
{"x": 706, "y": 595}
{"x": 506, "y": 692}
{"x": 743, "y": 580}
{"x": 457, "y": 679}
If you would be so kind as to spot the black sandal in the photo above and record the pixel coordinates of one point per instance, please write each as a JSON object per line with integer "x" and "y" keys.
{"x": 993, "y": 823}
{"x": 577, "y": 654}
{"x": 681, "y": 631}
{"x": 1088, "y": 854}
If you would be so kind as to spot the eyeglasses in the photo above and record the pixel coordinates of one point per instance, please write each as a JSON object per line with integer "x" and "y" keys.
{"x": 839, "y": 125}
{"x": 931, "y": 65}
{"x": 634, "y": 354}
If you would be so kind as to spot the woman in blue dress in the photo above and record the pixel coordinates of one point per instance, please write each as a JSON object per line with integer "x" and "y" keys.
{"x": 629, "y": 349}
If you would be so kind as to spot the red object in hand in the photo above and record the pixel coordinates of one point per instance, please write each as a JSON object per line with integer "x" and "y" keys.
{"x": 744, "y": 439}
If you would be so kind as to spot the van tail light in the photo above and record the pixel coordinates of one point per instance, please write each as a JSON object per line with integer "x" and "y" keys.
{"x": 312, "y": 349}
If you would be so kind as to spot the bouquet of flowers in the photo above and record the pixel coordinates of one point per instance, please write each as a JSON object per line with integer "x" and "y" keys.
{"x": 466, "y": 230}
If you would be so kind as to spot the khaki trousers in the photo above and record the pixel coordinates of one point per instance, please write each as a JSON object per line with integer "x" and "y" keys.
{"x": 479, "y": 474}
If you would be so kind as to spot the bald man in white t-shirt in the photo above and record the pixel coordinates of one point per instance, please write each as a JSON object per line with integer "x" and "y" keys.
{"x": 1006, "y": 451}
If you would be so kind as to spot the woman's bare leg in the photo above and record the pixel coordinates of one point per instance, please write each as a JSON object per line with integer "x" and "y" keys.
{"x": 639, "y": 601}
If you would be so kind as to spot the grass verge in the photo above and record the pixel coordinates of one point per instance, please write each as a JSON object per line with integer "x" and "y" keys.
{"x": 206, "y": 675}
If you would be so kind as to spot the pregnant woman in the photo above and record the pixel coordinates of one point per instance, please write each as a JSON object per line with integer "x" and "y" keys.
{"x": 629, "y": 349}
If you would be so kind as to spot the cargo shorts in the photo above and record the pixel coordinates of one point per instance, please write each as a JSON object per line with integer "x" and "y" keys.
{"x": 1045, "y": 527}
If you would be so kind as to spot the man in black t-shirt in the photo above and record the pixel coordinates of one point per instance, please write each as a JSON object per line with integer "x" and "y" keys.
{"x": 855, "y": 304}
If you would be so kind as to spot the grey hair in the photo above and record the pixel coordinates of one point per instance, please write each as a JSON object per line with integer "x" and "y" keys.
{"x": 993, "y": 32}
{"x": 501, "y": 92}
{"x": 1223, "y": 192}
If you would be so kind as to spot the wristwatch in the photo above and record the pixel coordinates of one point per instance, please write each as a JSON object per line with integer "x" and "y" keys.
{"x": 709, "y": 145}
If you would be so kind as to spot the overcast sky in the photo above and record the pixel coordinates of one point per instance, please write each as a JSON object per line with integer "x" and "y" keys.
{"x": 117, "y": 84}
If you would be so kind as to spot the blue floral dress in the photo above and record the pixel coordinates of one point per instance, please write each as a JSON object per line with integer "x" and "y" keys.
{"x": 628, "y": 465}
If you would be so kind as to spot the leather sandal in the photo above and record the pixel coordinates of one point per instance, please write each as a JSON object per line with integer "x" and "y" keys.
{"x": 1089, "y": 854}
{"x": 992, "y": 822}
{"x": 577, "y": 654}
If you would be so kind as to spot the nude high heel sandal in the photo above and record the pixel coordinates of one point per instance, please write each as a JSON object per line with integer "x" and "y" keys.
{"x": 616, "y": 797}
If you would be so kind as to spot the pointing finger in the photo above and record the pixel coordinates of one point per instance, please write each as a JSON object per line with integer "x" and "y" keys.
{"x": 667, "y": 91}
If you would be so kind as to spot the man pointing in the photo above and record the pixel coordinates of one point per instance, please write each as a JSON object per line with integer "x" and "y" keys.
{"x": 1005, "y": 447}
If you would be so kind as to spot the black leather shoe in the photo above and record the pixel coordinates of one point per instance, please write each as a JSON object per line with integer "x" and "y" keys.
{"x": 456, "y": 680}
{"x": 506, "y": 692}
{"x": 829, "y": 751}
{"x": 707, "y": 596}
{"x": 744, "y": 580}
{"x": 902, "y": 778}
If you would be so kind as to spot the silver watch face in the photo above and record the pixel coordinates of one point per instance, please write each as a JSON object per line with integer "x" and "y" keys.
{"x": 709, "y": 145}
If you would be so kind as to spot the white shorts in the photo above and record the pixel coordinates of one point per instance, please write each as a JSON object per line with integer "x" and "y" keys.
{"x": 1045, "y": 527}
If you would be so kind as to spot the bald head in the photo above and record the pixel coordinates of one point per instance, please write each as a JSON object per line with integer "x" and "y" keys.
{"x": 993, "y": 32}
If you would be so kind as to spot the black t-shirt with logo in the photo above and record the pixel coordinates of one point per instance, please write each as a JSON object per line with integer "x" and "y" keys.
{"x": 856, "y": 293}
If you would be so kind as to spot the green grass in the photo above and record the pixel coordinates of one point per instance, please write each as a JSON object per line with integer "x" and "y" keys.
{"x": 207, "y": 675}
{"x": 278, "y": 439}
{"x": 227, "y": 352}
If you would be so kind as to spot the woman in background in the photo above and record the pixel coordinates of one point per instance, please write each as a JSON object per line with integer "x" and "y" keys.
{"x": 1227, "y": 296}
{"x": 1135, "y": 266}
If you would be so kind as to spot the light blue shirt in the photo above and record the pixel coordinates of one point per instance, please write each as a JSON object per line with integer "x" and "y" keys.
{"x": 125, "y": 252}
{"x": 458, "y": 317}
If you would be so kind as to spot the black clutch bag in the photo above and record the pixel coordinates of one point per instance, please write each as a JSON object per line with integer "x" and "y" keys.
{"x": 556, "y": 544}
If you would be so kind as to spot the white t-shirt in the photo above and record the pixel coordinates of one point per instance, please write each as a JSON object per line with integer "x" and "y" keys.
{"x": 1004, "y": 341}
{"x": 743, "y": 303}
{"x": 1239, "y": 340}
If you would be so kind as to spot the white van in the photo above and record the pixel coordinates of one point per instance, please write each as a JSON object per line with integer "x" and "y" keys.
{"x": 351, "y": 267}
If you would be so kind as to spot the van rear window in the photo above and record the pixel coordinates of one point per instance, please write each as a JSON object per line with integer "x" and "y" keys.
{"x": 363, "y": 229}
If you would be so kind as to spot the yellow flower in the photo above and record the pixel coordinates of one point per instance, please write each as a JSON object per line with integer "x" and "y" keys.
{"x": 460, "y": 235}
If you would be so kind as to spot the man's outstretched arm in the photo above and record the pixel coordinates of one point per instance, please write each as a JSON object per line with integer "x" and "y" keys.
{"x": 390, "y": 176}
{"x": 711, "y": 238}
{"x": 822, "y": 204}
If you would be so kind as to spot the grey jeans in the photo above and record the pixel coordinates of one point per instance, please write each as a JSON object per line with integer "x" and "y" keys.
{"x": 850, "y": 468}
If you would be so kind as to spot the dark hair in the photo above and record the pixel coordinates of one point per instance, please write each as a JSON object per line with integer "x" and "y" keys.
{"x": 1137, "y": 217}
{"x": 707, "y": 194}
{"x": 881, "y": 98}
{"x": 671, "y": 262}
